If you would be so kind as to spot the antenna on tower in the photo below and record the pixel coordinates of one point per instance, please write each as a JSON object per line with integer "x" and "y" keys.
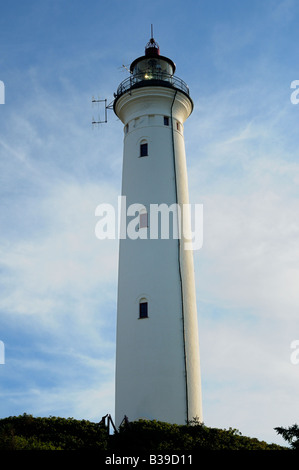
{"x": 125, "y": 67}
{"x": 109, "y": 106}
{"x": 152, "y": 46}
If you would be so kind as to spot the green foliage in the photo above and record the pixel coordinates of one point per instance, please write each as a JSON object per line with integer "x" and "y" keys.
{"x": 28, "y": 433}
{"x": 290, "y": 434}
{"x": 156, "y": 436}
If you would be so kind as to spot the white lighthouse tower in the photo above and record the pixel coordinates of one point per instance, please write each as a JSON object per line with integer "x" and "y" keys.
{"x": 157, "y": 351}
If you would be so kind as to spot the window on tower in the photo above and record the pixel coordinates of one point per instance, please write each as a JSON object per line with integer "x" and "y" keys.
{"x": 143, "y": 309}
{"x": 166, "y": 121}
{"x": 143, "y": 149}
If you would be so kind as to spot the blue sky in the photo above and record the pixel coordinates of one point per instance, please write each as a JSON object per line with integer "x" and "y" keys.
{"x": 58, "y": 282}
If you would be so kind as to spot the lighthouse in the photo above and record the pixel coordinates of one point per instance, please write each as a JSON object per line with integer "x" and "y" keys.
{"x": 157, "y": 346}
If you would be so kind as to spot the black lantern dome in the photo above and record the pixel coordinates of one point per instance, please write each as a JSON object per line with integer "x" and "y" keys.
{"x": 152, "y": 69}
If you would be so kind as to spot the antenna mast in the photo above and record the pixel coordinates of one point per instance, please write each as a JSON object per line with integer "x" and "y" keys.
{"x": 109, "y": 106}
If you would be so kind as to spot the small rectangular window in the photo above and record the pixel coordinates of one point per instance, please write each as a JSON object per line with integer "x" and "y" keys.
{"x": 166, "y": 121}
{"x": 178, "y": 126}
{"x": 143, "y": 150}
{"x": 143, "y": 313}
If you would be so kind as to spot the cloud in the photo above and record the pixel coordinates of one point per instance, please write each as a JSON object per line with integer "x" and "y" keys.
{"x": 66, "y": 386}
{"x": 246, "y": 176}
{"x": 58, "y": 281}
{"x": 244, "y": 170}
{"x": 251, "y": 252}
{"x": 55, "y": 171}
{"x": 58, "y": 302}
{"x": 64, "y": 256}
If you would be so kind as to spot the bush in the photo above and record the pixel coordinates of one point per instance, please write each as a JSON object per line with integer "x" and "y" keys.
{"x": 27, "y": 432}
{"x": 290, "y": 434}
{"x": 156, "y": 436}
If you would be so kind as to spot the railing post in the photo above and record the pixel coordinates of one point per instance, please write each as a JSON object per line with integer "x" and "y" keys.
{"x": 129, "y": 82}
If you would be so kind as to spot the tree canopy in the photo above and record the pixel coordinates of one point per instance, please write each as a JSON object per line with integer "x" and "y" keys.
{"x": 290, "y": 434}
{"x": 26, "y": 432}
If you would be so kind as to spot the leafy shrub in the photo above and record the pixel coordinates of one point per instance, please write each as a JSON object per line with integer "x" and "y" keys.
{"x": 27, "y": 432}
{"x": 156, "y": 436}
{"x": 290, "y": 434}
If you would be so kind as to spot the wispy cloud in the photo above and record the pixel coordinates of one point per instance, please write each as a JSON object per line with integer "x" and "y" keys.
{"x": 244, "y": 170}
{"x": 58, "y": 281}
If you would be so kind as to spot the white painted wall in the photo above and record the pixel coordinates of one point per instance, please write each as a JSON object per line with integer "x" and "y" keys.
{"x": 150, "y": 356}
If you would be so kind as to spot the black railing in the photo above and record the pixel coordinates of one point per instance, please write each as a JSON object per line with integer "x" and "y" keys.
{"x": 151, "y": 78}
